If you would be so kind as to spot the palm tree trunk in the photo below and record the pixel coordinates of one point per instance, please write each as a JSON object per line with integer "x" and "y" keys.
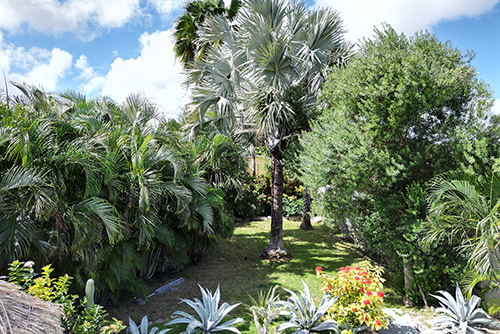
{"x": 276, "y": 249}
{"x": 306, "y": 209}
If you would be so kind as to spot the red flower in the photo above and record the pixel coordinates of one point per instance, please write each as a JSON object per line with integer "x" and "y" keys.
{"x": 356, "y": 278}
{"x": 368, "y": 293}
{"x": 366, "y": 302}
{"x": 342, "y": 268}
{"x": 380, "y": 293}
{"x": 330, "y": 287}
{"x": 346, "y": 288}
{"x": 354, "y": 309}
{"x": 357, "y": 268}
{"x": 319, "y": 268}
{"x": 364, "y": 273}
{"x": 367, "y": 281}
{"x": 362, "y": 289}
{"x": 378, "y": 323}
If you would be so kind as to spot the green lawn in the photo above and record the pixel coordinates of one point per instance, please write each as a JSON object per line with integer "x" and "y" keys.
{"x": 239, "y": 271}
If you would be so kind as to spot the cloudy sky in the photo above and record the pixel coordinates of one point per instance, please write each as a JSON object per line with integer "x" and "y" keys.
{"x": 117, "y": 47}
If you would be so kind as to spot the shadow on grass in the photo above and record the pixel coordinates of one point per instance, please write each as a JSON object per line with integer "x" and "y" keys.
{"x": 240, "y": 272}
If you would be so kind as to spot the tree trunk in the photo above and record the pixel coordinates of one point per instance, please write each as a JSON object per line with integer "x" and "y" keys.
{"x": 254, "y": 166}
{"x": 276, "y": 249}
{"x": 408, "y": 280}
{"x": 306, "y": 209}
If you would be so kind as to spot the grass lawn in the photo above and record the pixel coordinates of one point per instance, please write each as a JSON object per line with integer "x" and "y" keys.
{"x": 239, "y": 271}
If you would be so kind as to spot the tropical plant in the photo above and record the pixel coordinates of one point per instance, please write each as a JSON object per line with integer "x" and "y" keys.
{"x": 77, "y": 318}
{"x": 102, "y": 190}
{"x": 187, "y": 45}
{"x": 305, "y": 318}
{"x": 461, "y": 315}
{"x": 143, "y": 328}
{"x": 464, "y": 210}
{"x": 270, "y": 52}
{"x": 264, "y": 309}
{"x": 359, "y": 297}
{"x": 210, "y": 315}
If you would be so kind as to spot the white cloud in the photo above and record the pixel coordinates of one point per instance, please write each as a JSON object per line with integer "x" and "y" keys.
{"x": 154, "y": 73}
{"x": 166, "y": 7}
{"x": 496, "y": 107}
{"x": 409, "y": 16}
{"x": 56, "y": 16}
{"x": 36, "y": 66}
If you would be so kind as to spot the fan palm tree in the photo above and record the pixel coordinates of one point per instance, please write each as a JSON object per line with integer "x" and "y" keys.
{"x": 278, "y": 49}
{"x": 465, "y": 209}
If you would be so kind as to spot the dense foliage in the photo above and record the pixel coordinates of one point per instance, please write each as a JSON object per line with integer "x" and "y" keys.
{"x": 402, "y": 111}
{"x": 78, "y": 316}
{"x": 359, "y": 297}
{"x": 104, "y": 190}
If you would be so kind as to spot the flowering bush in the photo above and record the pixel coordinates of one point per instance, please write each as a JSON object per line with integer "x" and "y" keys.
{"x": 360, "y": 295}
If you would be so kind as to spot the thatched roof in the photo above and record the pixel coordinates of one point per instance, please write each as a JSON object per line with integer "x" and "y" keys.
{"x": 21, "y": 313}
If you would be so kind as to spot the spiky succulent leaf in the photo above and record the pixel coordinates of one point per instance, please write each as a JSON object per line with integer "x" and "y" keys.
{"x": 304, "y": 315}
{"x": 209, "y": 313}
{"x": 460, "y": 313}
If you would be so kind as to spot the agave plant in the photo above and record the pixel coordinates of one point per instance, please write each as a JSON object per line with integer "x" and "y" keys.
{"x": 264, "y": 309}
{"x": 304, "y": 315}
{"x": 209, "y": 313}
{"x": 143, "y": 328}
{"x": 460, "y": 314}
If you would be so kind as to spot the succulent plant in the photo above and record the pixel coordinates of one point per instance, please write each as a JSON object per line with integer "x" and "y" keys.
{"x": 461, "y": 315}
{"x": 89, "y": 293}
{"x": 264, "y": 309}
{"x": 209, "y": 313}
{"x": 304, "y": 315}
{"x": 143, "y": 328}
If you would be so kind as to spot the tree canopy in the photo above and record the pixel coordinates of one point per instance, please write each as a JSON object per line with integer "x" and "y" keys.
{"x": 402, "y": 111}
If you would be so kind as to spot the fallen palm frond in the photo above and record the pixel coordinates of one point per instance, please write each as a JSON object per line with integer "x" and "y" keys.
{"x": 21, "y": 313}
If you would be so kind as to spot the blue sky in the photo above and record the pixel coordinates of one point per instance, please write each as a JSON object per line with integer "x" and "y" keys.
{"x": 118, "y": 47}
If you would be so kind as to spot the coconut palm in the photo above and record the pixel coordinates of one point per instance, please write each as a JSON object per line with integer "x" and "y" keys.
{"x": 277, "y": 51}
{"x": 464, "y": 209}
{"x": 187, "y": 46}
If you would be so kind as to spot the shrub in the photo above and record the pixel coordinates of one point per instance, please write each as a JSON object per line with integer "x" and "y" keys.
{"x": 77, "y": 319}
{"x": 360, "y": 294}
{"x": 292, "y": 205}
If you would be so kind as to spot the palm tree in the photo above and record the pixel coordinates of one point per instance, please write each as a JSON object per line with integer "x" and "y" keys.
{"x": 464, "y": 209}
{"x": 277, "y": 50}
{"x": 187, "y": 46}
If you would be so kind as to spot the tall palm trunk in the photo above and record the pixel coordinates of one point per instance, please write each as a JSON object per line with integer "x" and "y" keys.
{"x": 306, "y": 209}
{"x": 276, "y": 249}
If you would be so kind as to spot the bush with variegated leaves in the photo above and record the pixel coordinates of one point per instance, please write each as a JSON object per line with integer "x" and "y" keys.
{"x": 360, "y": 294}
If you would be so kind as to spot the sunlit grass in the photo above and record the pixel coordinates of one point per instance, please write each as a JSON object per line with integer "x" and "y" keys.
{"x": 239, "y": 271}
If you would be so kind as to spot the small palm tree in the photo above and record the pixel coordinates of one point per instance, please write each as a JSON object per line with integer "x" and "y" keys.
{"x": 465, "y": 209}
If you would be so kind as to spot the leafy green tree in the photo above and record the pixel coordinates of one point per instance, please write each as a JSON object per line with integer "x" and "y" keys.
{"x": 404, "y": 110}
{"x": 270, "y": 50}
